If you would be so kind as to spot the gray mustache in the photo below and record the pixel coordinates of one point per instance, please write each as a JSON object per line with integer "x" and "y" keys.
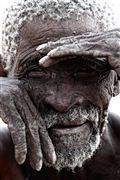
{"x": 75, "y": 116}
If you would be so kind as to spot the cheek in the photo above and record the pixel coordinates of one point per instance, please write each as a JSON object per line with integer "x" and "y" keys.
{"x": 97, "y": 93}
{"x": 106, "y": 90}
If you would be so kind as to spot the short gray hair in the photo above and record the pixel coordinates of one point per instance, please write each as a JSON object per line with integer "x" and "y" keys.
{"x": 24, "y": 10}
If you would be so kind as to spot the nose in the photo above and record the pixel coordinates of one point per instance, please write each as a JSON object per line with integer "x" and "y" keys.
{"x": 64, "y": 103}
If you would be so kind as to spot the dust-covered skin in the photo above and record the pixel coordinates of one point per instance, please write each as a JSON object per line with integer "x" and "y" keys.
{"x": 90, "y": 44}
{"x": 23, "y": 119}
{"x": 79, "y": 104}
{"x": 58, "y": 112}
{"x": 24, "y": 11}
{"x": 73, "y": 145}
{"x": 64, "y": 95}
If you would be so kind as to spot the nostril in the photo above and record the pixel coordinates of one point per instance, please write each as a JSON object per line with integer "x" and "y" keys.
{"x": 62, "y": 107}
{"x": 50, "y": 94}
{"x": 79, "y": 100}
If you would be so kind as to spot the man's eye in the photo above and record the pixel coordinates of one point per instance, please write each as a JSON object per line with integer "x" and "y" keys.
{"x": 39, "y": 74}
{"x": 85, "y": 73}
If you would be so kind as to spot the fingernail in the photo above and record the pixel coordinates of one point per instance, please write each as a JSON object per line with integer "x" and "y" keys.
{"x": 43, "y": 62}
{"x": 54, "y": 158}
{"x": 38, "y": 166}
{"x": 40, "y": 47}
{"x": 20, "y": 158}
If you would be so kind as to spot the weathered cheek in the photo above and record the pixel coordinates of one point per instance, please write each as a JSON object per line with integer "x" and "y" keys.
{"x": 105, "y": 95}
{"x": 98, "y": 94}
{"x": 106, "y": 89}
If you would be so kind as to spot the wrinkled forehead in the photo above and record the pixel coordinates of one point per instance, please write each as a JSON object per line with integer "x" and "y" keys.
{"x": 51, "y": 30}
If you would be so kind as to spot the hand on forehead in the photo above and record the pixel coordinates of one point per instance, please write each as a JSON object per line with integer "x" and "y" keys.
{"x": 23, "y": 11}
{"x": 106, "y": 44}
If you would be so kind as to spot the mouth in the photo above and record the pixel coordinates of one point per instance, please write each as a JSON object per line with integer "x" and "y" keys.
{"x": 70, "y": 129}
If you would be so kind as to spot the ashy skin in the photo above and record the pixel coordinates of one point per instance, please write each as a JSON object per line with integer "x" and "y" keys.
{"x": 58, "y": 109}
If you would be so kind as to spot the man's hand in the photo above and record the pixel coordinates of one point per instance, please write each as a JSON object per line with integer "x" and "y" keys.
{"x": 106, "y": 44}
{"x": 25, "y": 124}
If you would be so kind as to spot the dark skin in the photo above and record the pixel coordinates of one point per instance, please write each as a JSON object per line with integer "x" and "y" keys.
{"x": 104, "y": 164}
{"x": 60, "y": 86}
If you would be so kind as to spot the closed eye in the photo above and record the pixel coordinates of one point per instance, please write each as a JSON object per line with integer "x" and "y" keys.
{"x": 81, "y": 74}
{"x": 42, "y": 74}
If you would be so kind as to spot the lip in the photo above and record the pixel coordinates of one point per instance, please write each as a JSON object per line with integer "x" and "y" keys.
{"x": 70, "y": 130}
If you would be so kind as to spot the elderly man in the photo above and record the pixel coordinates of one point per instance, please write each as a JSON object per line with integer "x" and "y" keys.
{"x": 62, "y": 61}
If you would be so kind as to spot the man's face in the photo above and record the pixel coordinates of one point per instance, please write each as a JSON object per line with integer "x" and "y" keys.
{"x": 72, "y": 96}
{"x": 72, "y": 100}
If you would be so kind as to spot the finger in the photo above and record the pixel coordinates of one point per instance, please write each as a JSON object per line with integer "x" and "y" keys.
{"x": 88, "y": 37}
{"x": 47, "y": 61}
{"x": 59, "y": 54}
{"x": 70, "y": 52}
{"x": 96, "y": 49}
{"x": 30, "y": 115}
{"x": 34, "y": 138}
{"x": 17, "y": 129}
{"x": 34, "y": 147}
{"x": 45, "y": 48}
{"x": 19, "y": 140}
{"x": 93, "y": 49}
{"x": 47, "y": 146}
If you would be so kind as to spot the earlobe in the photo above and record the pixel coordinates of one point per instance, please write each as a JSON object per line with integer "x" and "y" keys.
{"x": 3, "y": 73}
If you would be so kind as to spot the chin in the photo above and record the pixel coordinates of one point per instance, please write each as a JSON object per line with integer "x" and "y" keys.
{"x": 75, "y": 135}
{"x": 73, "y": 147}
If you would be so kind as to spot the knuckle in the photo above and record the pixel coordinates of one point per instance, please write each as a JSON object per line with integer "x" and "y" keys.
{"x": 17, "y": 126}
{"x": 32, "y": 126}
{"x": 21, "y": 148}
{"x": 19, "y": 140}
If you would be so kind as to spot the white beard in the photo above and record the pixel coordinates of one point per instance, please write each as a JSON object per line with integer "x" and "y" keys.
{"x": 69, "y": 156}
{"x": 74, "y": 149}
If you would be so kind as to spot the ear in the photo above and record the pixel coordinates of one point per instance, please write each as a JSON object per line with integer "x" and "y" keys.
{"x": 116, "y": 90}
{"x": 3, "y": 73}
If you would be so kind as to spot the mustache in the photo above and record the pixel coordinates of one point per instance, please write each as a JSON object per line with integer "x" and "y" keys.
{"x": 76, "y": 115}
